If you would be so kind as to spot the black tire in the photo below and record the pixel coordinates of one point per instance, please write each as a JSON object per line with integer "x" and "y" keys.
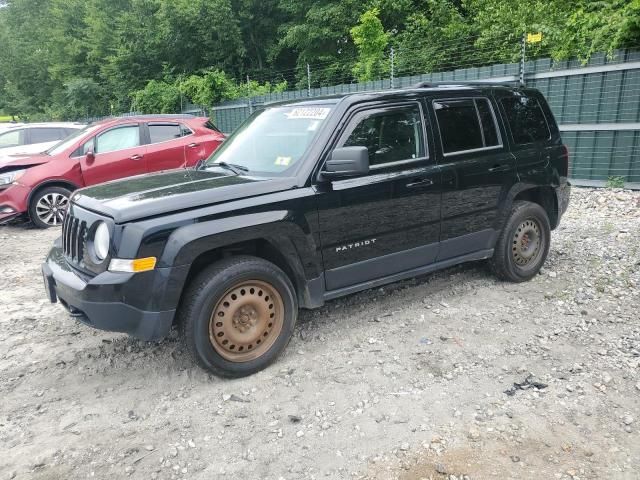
{"x": 57, "y": 198}
{"x": 516, "y": 259}
{"x": 206, "y": 292}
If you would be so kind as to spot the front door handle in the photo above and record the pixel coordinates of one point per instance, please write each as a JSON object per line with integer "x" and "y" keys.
{"x": 499, "y": 168}
{"x": 136, "y": 157}
{"x": 193, "y": 145}
{"x": 420, "y": 182}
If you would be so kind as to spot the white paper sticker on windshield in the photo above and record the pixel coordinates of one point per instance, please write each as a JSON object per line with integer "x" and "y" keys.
{"x": 283, "y": 161}
{"x": 309, "y": 112}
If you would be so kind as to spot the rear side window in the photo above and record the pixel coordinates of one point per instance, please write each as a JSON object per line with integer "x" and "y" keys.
{"x": 390, "y": 136}
{"x": 466, "y": 124}
{"x": 209, "y": 125}
{"x": 162, "y": 132}
{"x": 43, "y": 135}
{"x": 185, "y": 131}
{"x": 526, "y": 119}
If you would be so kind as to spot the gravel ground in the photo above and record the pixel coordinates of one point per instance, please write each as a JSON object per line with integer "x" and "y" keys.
{"x": 406, "y": 381}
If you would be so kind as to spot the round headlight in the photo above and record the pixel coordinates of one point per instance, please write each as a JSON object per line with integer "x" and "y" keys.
{"x": 101, "y": 241}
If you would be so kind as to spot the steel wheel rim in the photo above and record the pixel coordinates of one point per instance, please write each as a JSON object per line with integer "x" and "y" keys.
{"x": 246, "y": 321}
{"x": 527, "y": 241}
{"x": 51, "y": 208}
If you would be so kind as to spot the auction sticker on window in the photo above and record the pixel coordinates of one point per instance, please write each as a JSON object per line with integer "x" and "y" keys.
{"x": 283, "y": 161}
{"x": 317, "y": 113}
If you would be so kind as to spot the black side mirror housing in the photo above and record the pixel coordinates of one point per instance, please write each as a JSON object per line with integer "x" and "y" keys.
{"x": 347, "y": 162}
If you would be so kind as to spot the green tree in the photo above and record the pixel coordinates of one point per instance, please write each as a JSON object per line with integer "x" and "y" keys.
{"x": 436, "y": 38}
{"x": 209, "y": 88}
{"x": 157, "y": 97}
{"x": 317, "y": 32}
{"x": 83, "y": 99}
{"x": 64, "y": 58}
{"x": 371, "y": 41}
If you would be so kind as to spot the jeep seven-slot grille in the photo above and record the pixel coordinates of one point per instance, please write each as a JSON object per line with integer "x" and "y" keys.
{"x": 73, "y": 236}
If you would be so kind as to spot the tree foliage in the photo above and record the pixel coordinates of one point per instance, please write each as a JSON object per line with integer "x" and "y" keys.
{"x": 78, "y": 58}
{"x": 157, "y": 96}
{"x": 371, "y": 41}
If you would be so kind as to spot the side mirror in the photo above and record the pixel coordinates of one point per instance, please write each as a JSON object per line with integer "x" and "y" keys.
{"x": 90, "y": 156}
{"x": 347, "y": 162}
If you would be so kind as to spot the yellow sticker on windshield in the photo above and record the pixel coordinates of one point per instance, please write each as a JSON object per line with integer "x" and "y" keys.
{"x": 315, "y": 113}
{"x": 283, "y": 161}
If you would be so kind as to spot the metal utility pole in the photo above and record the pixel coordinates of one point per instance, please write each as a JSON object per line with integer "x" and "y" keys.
{"x": 522, "y": 60}
{"x": 249, "y": 95}
{"x": 308, "y": 80}
{"x": 392, "y": 59}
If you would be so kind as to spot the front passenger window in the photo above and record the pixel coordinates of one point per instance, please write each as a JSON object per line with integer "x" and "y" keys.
{"x": 118, "y": 139}
{"x": 390, "y": 136}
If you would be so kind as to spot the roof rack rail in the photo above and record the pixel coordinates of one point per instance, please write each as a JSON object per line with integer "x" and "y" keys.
{"x": 466, "y": 83}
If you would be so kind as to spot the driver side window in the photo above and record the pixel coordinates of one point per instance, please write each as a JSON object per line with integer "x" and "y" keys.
{"x": 390, "y": 135}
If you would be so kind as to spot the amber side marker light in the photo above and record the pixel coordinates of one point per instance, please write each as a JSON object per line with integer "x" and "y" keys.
{"x": 132, "y": 265}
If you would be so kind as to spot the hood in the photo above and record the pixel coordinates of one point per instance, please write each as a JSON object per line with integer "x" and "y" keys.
{"x": 14, "y": 162}
{"x": 26, "y": 150}
{"x": 162, "y": 193}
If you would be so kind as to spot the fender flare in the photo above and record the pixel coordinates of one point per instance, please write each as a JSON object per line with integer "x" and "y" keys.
{"x": 50, "y": 182}
{"x": 289, "y": 238}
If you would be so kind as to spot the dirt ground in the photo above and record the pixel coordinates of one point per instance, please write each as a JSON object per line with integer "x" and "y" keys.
{"x": 402, "y": 382}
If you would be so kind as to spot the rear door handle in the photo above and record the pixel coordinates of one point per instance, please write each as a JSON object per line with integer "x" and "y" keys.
{"x": 420, "y": 182}
{"x": 499, "y": 168}
{"x": 193, "y": 145}
{"x": 136, "y": 157}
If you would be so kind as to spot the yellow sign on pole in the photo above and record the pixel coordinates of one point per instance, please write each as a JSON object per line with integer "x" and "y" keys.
{"x": 534, "y": 37}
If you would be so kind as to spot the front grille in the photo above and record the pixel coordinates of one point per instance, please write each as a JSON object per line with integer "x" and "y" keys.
{"x": 74, "y": 232}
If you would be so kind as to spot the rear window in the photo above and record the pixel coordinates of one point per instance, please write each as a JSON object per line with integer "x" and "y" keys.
{"x": 466, "y": 124}
{"x": 526, "y": 119}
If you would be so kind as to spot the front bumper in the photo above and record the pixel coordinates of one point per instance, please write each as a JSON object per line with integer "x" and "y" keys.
{"x": 13, "y": 202}
{"x": 106, "y": 300}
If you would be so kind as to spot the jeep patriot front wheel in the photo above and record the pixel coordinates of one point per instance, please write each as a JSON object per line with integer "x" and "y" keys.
{"x": 238, "y": 315}
{"x": 246, "y": 321}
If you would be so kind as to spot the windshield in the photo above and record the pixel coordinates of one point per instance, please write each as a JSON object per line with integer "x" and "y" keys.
{"x": 272, "y": 140}
{"x": 70, "y": 140}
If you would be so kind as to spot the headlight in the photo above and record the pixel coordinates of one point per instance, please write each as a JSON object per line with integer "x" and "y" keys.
{"x": 10, "y": 177}
{"x": 101, "y": 241}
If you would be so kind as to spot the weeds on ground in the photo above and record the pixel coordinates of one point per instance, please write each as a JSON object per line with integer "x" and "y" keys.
{"x": 615, "y": 182}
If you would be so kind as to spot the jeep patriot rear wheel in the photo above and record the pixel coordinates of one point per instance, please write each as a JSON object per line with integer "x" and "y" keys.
{"x": 523, "y": 244}
{"x": 238, "y": 315}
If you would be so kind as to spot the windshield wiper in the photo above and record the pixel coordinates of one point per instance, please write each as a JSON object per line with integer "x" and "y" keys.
{"x": 235, "y": 168}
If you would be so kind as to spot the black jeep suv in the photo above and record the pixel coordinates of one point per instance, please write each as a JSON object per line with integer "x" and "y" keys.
{"x": 312, "y": 200}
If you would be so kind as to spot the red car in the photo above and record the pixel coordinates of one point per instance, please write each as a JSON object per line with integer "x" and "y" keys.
{"x": 40, "y": 185}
